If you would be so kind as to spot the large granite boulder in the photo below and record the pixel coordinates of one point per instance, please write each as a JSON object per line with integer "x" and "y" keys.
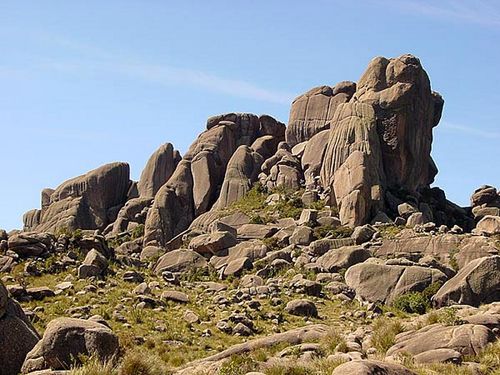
{"x": 489, "y": 225}
{"x": 467, "y": 339}
{"x": 90, "y": 201}
{"x": 66, "y": 340}
{"x": 159, "y": 168}
{"x": 477, "y": 282}
{"x": 312, "y": 112}
{"x": 485, "y": 201}
{"x": 195, "y": 185}
{"x": 375, "y": 282}
{"x": 17, "y": 335}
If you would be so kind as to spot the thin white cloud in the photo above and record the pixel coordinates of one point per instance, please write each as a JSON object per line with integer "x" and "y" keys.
{"x": 485, "y": 12}
{"x": 92, "y": 59}
{"x": 469, "y": 130}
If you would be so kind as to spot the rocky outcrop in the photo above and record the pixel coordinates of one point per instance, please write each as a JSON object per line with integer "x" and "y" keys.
{"x": 159, "y": 168}
{"x": 133, "y": 213}
{"x": 406, "y": 110}
{"x": 312, "y": 112}
{"x": 195, "y": 185}
{"x": 447, "y": 248}
{"x": 485, "y": 201}
{"x": 90, "y": 201}
{"x": 477, "y": 282}
{"x": 17, "y": 335}
{"x": 66, "y": 340}
{"x": 387, "y": 119}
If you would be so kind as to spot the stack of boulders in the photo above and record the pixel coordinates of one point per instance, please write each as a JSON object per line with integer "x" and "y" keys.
{"x": 485, "y": 204}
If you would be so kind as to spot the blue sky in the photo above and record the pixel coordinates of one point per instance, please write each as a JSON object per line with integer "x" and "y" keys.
{"x": 83, "y": 83}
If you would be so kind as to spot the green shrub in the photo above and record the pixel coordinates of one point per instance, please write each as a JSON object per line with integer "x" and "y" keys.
{"x": 453, "y": 258}
{"x": 93, "y": 366}
{"x": 446, "y": 316}
{"x": 140, "y": 362}
{"x": 417, "y": 302}
{"x": 341, "y": 232}
{"x": 384, "y": 333}
{"x": 413, "y": 303}
{"x": 137, "y": 232}
{"x": 238, "y": 365}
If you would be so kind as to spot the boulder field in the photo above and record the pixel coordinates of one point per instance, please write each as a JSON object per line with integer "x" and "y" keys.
{"x": 320, "y": 247}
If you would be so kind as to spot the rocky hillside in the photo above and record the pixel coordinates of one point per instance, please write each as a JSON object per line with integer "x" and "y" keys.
{"x": 314, "y": 248}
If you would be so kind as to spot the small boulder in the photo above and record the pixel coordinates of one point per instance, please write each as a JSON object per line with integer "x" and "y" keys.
{"x": 363, "y": 234}
{"x": 212, "y": 243}
{"x": 179, "y": 261}
{"x": 174, "y": 296}
{"x": 302, "y": 307}
{"x": 301, "y": 236}
{"x": 342, "y": 258}
{"x": 95, "y": 264}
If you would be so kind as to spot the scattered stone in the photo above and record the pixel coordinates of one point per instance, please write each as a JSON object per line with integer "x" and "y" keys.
{"x": 302, "y": 307}
{"x": 175, "y": 296}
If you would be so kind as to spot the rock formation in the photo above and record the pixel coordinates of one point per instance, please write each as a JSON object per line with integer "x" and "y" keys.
{"x": 341, "y": 220}
{"x": 197, "y": 180}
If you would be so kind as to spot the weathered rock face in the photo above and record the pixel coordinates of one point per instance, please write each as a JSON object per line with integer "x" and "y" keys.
{"x": 195, "y": 185}
{"x": 352, "y": 163}
{"x": 159, "y": 168}
{"x": 242, "y": 171}
{"x": 313, "y": 156}
{"x": 477, "y": 282}
{"x": 406, "y": 110}
{"x": 17, "y": 335}
{"x": 66, "y": 339}
{"x": 312, "y": 111}
{"x": 90, "y": 201}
